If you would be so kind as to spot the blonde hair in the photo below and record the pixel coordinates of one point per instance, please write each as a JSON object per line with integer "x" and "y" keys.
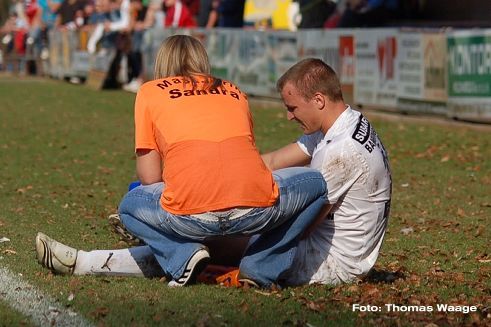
{"x": 310, "y": 76}
{"x": 183, "y": 55}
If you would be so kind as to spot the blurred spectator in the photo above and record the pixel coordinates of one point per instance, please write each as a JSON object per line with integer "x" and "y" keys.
{"x": 154, "y": 16}
{"x": 98, "y": 12}
{"x": 70, "y": 14}
{"x": 138, "y": 11}
{"x": 110, "y": 18}
{"x": 22, "y": 30}
{"x": 33, "y": 40}
{"x": 315, "y": 12}
{"x": 231, "y": 13}
{"x": 178, "y": 14}
{"x": 369, "y": 13}
{"x": 49, "y": 9}
{"x": 208, "y": 14}
{"x": 120, "y": 17}
{"x": 14, "y": 30}
{"x": 341, "y": 5}
{"x": 48, "y": 17}
{"x": 33, "y": 14}
{"x": 193, "y": 6}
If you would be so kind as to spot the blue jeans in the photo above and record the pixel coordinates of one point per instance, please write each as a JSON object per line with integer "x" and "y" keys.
{"x": 175, "y": 238}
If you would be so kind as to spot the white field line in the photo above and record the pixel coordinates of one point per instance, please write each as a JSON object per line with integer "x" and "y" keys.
{"x": 39, "y": 307}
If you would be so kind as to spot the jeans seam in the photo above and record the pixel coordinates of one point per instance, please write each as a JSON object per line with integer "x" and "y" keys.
{"x": 303, "y": 180}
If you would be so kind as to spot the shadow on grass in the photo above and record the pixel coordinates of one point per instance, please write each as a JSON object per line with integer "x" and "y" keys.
{"x": 377, "y": 276}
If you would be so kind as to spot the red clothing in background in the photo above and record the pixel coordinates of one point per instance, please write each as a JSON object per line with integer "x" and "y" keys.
{"x": 183, "y": 18}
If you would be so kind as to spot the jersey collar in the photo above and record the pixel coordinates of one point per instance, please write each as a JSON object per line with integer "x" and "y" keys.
{"x": 339, "y": 125}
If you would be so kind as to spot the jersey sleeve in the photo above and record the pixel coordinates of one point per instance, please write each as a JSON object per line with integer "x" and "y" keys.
{"x": 144, "y": 127}
{"x": 342, "y": 167}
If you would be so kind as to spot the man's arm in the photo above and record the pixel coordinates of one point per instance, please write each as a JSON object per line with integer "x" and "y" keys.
{"x": 288, "y": 156}
{"x": 148, "y": 166}
{"x": 319, "y": 219}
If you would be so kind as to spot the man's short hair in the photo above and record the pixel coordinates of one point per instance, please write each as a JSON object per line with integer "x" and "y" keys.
{"x": 310, "y": 76}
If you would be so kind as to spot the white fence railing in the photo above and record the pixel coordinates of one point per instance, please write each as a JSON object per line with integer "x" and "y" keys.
{"x": 445, "y": 73}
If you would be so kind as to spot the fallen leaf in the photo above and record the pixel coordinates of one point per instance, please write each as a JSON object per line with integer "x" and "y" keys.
{"x": 318, "y": 307}
{"x": 407, "y": 230}
{"x": 353, "y": 288}
{"x": 479, "y": 230}
{"x": 244, "y": 307}
{"x": 99, "y": 312}
{"x": 24, "y": 189}
{"x": 262, "y": 293}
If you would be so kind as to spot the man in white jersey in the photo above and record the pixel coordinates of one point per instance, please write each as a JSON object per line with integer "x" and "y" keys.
{"x": 344, "y": 147}
{"x": 339, "y": 142}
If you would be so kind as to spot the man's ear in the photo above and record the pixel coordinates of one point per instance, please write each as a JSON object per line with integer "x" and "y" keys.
{"x": 319, "y": 100}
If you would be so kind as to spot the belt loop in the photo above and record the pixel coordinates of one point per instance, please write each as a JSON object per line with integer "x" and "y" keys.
{"x": 224, "y": 223}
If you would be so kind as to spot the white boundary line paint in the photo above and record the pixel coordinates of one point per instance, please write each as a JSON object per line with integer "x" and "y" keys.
{"x": 39, "y": 307}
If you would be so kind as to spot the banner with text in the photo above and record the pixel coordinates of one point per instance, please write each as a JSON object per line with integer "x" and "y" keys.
{"x": 421, "y": 75}
{"x": 376, "y": 68}
{"x": 469, "y": 74}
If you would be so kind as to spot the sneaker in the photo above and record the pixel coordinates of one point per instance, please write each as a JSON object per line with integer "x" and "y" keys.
{"x": 55, "y": 256}
{"x": 132, "y": 86}
{"x": 246, "y": 282}
{"x": 75, "y": 80}
{"x": 195, "y": 265}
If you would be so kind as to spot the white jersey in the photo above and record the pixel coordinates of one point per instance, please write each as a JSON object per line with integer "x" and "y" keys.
{"x": 354, "y": 164}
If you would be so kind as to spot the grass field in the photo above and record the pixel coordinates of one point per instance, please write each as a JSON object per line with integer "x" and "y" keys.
{"x": 67, "y": 157}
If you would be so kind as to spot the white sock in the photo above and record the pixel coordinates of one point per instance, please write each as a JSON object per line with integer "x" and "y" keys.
{"x": 137, "y": 261}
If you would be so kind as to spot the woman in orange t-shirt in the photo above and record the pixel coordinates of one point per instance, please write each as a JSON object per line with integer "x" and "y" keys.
{"x": 214, "y": 184}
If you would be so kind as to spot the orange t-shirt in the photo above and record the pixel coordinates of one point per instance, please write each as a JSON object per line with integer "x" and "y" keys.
{"x": 206, "y": 142}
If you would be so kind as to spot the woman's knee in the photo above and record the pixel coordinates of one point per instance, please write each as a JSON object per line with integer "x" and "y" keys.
{"x": 308, "y": 179}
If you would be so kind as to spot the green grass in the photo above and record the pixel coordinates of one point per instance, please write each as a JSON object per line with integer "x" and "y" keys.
{"x": 11, "y": 317}
{"x": 66, "y": 154}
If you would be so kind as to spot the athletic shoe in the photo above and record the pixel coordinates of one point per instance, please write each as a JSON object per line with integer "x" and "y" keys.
{"x": 215, "y": 274}
{"x": 55, "y": 256}
{"x": 195, "y": 265}
{"x": 246, "y": 282}
{"x": 132, "y": 86}
{"x": 126, "y": 236}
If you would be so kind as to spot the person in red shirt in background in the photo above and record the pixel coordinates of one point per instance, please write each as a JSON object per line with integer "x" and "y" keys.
{"x": 194, "y": 7}
{"x": 177, "y": 14}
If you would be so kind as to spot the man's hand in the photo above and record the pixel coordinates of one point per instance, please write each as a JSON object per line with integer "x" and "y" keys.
{"x": 325, "y": 211}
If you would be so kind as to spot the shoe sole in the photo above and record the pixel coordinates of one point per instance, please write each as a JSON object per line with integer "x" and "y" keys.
{"x": 47, "y": 259}
{"x": 118, "y": 227}
{"x": 248, "y": 283}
